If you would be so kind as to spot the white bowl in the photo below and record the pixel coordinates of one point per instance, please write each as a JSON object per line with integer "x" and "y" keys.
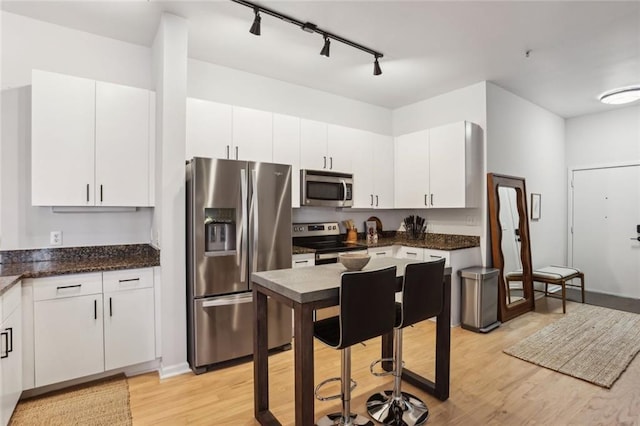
{"x": 354, "y": 261}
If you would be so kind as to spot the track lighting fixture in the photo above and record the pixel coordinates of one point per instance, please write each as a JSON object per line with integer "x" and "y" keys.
{"x": 376, "y": 67}
{"x": 325, "y": 48}
{"x": 255, "y": 27}
{"x": 310, "y": 28}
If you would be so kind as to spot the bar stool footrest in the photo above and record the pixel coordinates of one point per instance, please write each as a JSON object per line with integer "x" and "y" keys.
{"x": 408, "y": 410}
{"x": 332, "y": 397}
{"x": 335, "y": 419}
{"x": 380, "y": 361}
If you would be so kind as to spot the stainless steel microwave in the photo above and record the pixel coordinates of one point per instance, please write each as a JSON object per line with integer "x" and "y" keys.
{"x": 328, "y": 189}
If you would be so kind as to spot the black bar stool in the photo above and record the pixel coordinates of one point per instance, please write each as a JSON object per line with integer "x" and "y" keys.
{"x": 367, "y": 305}
{"x": 422, "y": 294}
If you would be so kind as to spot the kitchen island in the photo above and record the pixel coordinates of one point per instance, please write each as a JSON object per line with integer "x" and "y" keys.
{"x": 305, "y": 290}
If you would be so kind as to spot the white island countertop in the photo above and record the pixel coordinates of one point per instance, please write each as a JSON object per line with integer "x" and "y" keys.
{"x": 304, "y": 285}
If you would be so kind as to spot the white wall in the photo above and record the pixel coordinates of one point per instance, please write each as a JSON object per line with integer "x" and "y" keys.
{"x": 226, "y": 85}
{"x": 606, "y": 138}
{"x": 27, "y": 44}
{"x": 526, "y": 140}
{"x": 467, "y": 103}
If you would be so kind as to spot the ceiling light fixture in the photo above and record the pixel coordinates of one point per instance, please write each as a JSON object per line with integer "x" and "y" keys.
{"x": 622, "y": 95}
{"x": 325, "y": 48}
{"x": 310, "y": 28}
{"x": 255, "y": 27}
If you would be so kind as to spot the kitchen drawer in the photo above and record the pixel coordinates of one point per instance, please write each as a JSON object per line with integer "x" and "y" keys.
{"x": 381, "y": 251}
{"x": 412, "y": 253}
{"x": 303, "y": 260}
{"x": 10, "y": 301}
{"x": 431, "y": 255}
{"x": 67, "y": 286}
{"x": 128, "y": 279}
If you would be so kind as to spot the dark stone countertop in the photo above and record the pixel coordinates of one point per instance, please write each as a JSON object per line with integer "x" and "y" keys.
{"x": 20, "y": 264}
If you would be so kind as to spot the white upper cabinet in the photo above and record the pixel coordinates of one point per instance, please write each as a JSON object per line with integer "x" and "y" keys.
{"x": 209, "y": 129}
{"x": 439, "y": 167}
{"x": 340, "y": 148}
{"x": 91, "y": 142}
{"x": 252, "y": 135}
{"x": 286, "y": 150}
{"x": 383, "y": 176}
{"x": 372, "y": 161}
{"x": 454, "y": 166}
{"x": 122, "y": 145}
{"x": 412, "y": 170}
{"x": 313, "y": 145}
{"x": 62, "y": 135}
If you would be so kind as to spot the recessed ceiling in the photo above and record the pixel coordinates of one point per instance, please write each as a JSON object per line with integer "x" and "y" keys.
{"x": 577, "y": 49}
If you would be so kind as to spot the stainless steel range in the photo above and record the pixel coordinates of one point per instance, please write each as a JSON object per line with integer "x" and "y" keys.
{"x": 325, "y": 239}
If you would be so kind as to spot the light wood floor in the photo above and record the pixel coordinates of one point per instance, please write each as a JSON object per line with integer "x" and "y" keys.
{"x": 487, "y": 386}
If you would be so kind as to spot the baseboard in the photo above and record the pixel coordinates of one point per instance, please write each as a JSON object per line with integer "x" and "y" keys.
{"x": 167, "y": 371}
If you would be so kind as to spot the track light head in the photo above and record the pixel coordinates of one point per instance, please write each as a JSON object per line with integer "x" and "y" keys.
{"x": 325, "y": 48}
{"x": 376, "y": 67}
{"x": 255, "y": 27}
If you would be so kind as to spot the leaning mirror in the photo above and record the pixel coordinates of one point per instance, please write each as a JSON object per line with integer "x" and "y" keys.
{"x": 510, "y": 248}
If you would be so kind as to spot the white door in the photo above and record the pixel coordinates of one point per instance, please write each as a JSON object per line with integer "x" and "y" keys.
{"x": 412, "y": 170}
{"x": 122, "y": 145}
{"x": 62, "y": 140}
{"x": 209, "y": 129}
{"x": 447, "y": 166}
{"x": 383, "y": 171}
{"x": 129, "y": 336}
{"x": 252, "y": 135}
{"x": 606, "y": 212}
{"x": 313, "y": 145}
{"x": 362, "y": 147}
{"x": 68, "y": 338}
{"x": 342, "y": 143}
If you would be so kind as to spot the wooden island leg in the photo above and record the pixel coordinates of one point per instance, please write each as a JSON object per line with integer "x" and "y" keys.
{"x": 304, "y": 374}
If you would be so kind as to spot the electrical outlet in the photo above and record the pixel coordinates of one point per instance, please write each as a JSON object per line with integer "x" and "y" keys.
{"x": 56, "y": 238}
{"x": 469, "y": 220}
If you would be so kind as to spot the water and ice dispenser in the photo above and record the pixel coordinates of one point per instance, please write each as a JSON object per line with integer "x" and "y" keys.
{"x": 220, "y": 231}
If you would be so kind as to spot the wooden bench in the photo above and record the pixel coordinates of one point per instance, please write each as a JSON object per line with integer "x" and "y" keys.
{"x": 559, "y": 275}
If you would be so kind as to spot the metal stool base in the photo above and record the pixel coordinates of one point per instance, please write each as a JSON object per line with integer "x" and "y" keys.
{"x": 335, "y": 419}
{"x": 405, "y": 411}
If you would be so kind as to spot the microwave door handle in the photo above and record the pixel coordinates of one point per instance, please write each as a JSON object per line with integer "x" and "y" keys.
{"x": 344, "y": 189}
{"x": 243, "y": 229}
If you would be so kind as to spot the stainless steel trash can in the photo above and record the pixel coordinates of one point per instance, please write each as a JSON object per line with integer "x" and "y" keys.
{"x": 479, "y": 301}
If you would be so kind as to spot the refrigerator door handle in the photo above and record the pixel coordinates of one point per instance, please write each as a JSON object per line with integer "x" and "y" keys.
{"x": 254, "y": 205}
{"x": 243, "y": 233}
{"x": 231, "y": 300}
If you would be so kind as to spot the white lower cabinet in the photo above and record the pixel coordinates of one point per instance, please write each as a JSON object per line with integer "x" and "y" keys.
{"x": 86, "y": 324}
{"x": 381, "y": 251}
{"x": 129, "y": 335}
{"x": 413, "y": 253}
{"x": 303, "y": 260}
{"x": 10, "y": 352}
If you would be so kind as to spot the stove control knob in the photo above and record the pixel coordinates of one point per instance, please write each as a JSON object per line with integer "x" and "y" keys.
{"x": 295, "y": 229}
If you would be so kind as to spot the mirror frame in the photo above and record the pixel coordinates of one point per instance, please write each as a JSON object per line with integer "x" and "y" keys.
{"x": 494, "y": 181}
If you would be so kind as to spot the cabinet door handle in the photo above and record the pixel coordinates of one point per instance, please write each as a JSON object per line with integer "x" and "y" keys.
{"x": 6, "y": 344}
{"x": 425, "y": 200}
{"x": 128, "y": 280}
{"x": 371, "y": 199}
{"x": 64, "y": 287}
{"x": 10, "y": 338}
{"x": 236, "y": 152}
{"x": 376, "y": 201}
{"x": 100, "y": 193}
{"x": 301, "y": 261}
{"x": 227, "y": 152}
{"x": 325, "y": 162}
{"x": 381, "y": 253}
{"x": 412, "y": 253}
{"x": 87, "y": 193}
{"x": 110, "y": 308}
{"x": 330, "y": 163}
{"x": 95, "y": 309}
{"x": 435, "y": 257}
{"x": 431, "y": 200}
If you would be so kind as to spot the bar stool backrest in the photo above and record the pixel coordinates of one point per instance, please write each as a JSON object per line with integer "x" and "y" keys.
{"x": 422, "y": 292}
{"x": 367, "y": 305}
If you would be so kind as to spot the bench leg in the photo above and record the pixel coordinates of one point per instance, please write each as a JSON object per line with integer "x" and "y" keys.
{"x": 564, "y": 296}
{"x": 582, "y": 285}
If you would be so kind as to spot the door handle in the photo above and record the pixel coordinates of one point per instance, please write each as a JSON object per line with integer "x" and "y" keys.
{"x": 236, "y": 152}
{"x": 431, "y": 200}
{"x": 325, "y": 162}
{"x": 10, "y": 338}
{"x": 95, "y": 309}
{"x": 376, "y": 201}
{"x": 372, "y": 199}
{"x": 6, "y": 344}
{"x": 110, "y": 308}
{"x": 425, "y": 200}
{"x": 87, "y": 193}
{"x": 227, "y": 152}
{"x": 100, "y": 193}
{"x": 330, "y": 163}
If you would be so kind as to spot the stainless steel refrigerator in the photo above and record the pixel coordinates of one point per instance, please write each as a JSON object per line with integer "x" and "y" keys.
{"x": 238, "y": 222}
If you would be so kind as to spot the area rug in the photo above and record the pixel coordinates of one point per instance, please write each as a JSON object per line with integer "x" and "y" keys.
{"x": 591, "y": 343}
{"x": 105, "y": 402}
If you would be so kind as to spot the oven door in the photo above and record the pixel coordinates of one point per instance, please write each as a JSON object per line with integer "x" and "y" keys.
{"x": 327, "y": 189}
